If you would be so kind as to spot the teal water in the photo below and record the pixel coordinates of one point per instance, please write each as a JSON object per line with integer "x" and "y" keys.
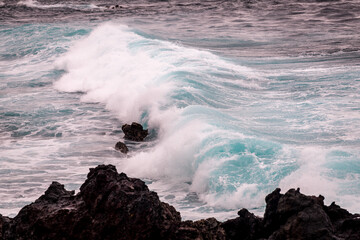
{"x": 227, "y": 126}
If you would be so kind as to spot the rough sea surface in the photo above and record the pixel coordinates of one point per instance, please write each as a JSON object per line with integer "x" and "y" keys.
{"x": 240, "y": 97}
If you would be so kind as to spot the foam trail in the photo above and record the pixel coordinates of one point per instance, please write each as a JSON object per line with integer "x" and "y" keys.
{"x": 36, "y": 4}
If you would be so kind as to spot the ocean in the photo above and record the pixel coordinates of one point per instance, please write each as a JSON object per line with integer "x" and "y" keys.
{"x": 240, "y": 97}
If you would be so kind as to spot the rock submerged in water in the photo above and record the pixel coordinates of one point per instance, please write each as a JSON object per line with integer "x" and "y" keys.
{"x": 134, "y": 132}
{"x": 120, "y": 146}
{"x": 113, "y": 206}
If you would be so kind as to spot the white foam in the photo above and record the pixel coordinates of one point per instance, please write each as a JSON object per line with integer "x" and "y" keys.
{"x": 313, "y": 178}
{"x": 104, "y": 68}
{"x": 36, "y": 4}
{"x": 28, "y": 3}
{"x": 133, "y": 75}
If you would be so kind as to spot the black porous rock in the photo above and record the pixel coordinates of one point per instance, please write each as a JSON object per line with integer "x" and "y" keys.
{"x": 4, "y": 224}
{"x": 134, "y": 132}
{"x": 346, "y": 225}
{"x": 121, "y": 147}
{"x": 114, "y": 7}
{"x": 246, "y": 226}
{"x": 109, "y": 206}
{"x": 294, "y": 216}
{"x": 113, "y": 206}
{"x": 203, "y": 229}
{"x": 298, "y": 216}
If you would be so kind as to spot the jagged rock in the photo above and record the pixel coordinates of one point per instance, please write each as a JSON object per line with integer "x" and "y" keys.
{"x": 109, "y": 206}
{"x": 121, "y": 147}
{"x": 57, "y": 214}
{"x": 4, "y": 222}
{"x": 297, "y": 216}
{"x": 294, "y": 216}
{"x": 135, "y": 212}
{"x": 134, "y": 132}
{"x": 114, "y": 206}
{"x": 271, "y": 221}
{"x": 203, "y": 229}
{"x": 247, "y": 226}
{"x": 345, "y": 224}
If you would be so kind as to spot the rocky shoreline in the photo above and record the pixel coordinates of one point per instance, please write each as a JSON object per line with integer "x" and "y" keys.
{"x": 113, "y": 206}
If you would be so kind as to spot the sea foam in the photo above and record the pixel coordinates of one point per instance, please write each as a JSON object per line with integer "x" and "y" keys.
{"x": 207, "y": 153}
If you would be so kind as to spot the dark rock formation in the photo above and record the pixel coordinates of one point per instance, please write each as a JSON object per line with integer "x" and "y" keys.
{"x": 121, "y": 147}
{"x": 108, "y": 206}
{"x": 246, "y": 226}
{"x": 203, "y": 229}
{"x": 134, "y": 132}
{"x": 297, "y": 216}
{"x": 114, "y": 206}
{"x": 294, "y": 216}
{"x": 346, "y": 225}
{"x": 4, "y": 223}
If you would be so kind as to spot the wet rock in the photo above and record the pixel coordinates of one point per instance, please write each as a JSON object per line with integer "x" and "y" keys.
{"x": 134, "y": 132}
{"x": 126, "y": 205}
{"x": 203, "y": 229}
{"x": 296, "y": 216}
{"x": 113, "y": 206}
{"x": 57, "y": 214}
{"x": 109, "y": 206}
{"x": 120, "y": 146}
{"x": 345, "y": 224}
{"x": 4, "y": 222}
{"x": 114, "y": 7}
{"x": 246, "y": 226}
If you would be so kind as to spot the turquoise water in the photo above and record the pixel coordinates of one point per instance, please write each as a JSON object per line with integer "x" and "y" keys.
{"x": 227, "y": 127}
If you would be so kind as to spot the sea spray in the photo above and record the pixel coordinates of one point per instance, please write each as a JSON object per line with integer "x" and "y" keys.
{"x": 174, "y": 89}
{"x": 194, "y": 100}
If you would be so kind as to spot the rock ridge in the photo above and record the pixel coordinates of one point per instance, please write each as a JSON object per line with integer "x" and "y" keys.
{"x": 113, "y": 206}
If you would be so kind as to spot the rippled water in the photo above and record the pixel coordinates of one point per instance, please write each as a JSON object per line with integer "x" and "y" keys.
{"x": 240, "y": 97}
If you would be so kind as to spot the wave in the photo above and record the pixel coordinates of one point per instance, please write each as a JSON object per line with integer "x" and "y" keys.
{"x": 206, "y": 154}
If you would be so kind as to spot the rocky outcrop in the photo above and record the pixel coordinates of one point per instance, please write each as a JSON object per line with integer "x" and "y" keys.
{"x": 203, "y": 229}
{"x": 247, "y": 226}
{"x": 294, "y": 216}
{"x": 108, "y": 206}
{"x": 113, "y": 206}
{"x": 120, "y": 146}
{"x": 134, "y": 132}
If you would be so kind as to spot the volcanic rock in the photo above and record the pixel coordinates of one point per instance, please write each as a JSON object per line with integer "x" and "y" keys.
{"x": 246, "y": 226}
{"x": 203, "y": 229}
{"x": 113, "y": 206}
{"x": 297, "y": 216}
{"x": 121, "y": 147}
{"x": 134, "y": 132}
{"x": 109, "y": 206}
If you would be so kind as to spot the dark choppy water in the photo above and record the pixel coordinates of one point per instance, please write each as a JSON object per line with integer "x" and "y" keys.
{"x": 240, "y": 96}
